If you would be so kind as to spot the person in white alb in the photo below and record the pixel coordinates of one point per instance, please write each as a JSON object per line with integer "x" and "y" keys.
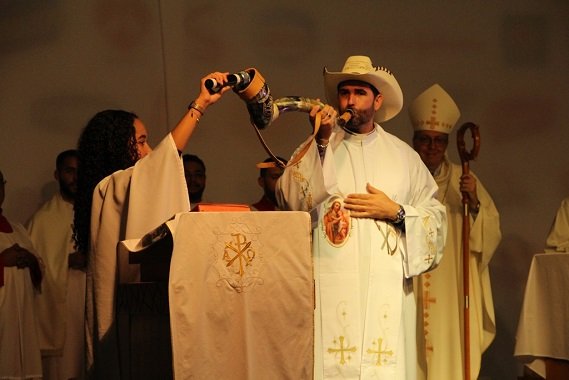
{"x": 61, "y": 305}
{"x": 20, "y": 284}
{"x": 386, "y": 227}
{"x": 433, "y": 115}
{"x": 125, "y": 189}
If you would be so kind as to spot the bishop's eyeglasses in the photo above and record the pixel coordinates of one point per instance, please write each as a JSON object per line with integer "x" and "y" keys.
{"x": 425, "y": 140}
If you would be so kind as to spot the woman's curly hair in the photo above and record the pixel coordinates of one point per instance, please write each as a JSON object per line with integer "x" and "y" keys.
{"x": 106, "y": 144}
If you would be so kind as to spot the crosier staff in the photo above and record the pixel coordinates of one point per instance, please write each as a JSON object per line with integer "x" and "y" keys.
{"x": 465, "y": 157}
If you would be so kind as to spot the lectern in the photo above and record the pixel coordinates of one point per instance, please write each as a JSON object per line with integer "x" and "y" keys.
{"x": 241, "y": 294}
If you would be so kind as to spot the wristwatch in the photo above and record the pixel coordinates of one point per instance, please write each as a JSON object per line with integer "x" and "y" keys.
{"x": 399, "y": 217}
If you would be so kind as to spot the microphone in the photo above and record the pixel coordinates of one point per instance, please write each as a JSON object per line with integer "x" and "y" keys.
{"x": 345, "y": 117}
{"x": 238, "y": 81}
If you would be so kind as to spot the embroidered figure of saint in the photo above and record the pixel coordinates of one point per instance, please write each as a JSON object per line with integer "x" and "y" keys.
{"x": 336, "y": 223}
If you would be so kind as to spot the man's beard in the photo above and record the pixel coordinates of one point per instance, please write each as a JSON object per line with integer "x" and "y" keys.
{"x": 271, "y": 195}
{"x": 196, "y": 197}
{"x": 359, "y": 119}
{"x": 68, "y": 191}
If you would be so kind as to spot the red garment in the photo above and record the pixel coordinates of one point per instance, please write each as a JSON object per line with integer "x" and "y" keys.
{"x": 265, "y": 204}
{"x": 1, "y": 272}
{"x": 4, "y": 224}
{"x": 35, "y": 270}
{"x": 5, "y": 227}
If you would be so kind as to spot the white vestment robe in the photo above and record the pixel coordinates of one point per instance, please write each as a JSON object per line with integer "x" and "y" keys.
{"x": 558, "y": 237}
{"x": 365, "y": 317}
{"x": 61, "y": 305}
{"x": 440, "y": 291}
{"x": 20, "y": 356}
{"x": 126, "y": 205}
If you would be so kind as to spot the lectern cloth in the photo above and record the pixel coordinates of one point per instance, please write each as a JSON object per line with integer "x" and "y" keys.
{"x": 242, "y": 296}
{"x": 543, "y": 329}
{"x": 558, "y": 237}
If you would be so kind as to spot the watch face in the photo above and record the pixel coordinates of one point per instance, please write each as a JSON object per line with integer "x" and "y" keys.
{"x": 400, "y": 215}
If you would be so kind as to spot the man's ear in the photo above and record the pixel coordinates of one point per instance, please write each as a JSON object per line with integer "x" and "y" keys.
{"x": 261, "y": 182}
{"x": 377, "y": 102}
{"x": 56, "y": 175}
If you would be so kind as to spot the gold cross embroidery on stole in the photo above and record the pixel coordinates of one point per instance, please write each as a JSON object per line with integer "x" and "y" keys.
{"x": 380, "y": 353}
{"x": 341, "y": 350}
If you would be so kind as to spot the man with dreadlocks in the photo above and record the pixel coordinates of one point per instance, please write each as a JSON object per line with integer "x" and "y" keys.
{"x": 125, "y": 189}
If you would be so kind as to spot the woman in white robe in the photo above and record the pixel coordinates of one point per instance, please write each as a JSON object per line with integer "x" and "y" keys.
{"x": 125, "y": 190}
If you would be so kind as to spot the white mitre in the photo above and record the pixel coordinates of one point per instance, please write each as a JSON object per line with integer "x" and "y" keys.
{"x": 434, "y": 110}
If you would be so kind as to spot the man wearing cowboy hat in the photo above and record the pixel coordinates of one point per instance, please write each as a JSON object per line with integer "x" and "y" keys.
{"x": 433, "y": 115}
{"x": 365, "y": 317}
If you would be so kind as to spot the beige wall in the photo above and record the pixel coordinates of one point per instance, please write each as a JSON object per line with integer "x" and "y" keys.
{"x": 504, "y": 62}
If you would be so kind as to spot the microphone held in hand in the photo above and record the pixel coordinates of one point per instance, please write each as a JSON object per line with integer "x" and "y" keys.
{"x": 238, "y": 81}
{"x": 345, "y": 117}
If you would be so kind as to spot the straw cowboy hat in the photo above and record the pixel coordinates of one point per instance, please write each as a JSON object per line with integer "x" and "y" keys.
{"x": 359, "y": 67}
{"x": 434, "y": 110}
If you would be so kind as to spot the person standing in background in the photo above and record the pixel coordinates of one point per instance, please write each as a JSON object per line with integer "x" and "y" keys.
{"x": 194, "y": 171}
{"x": 433, "y": 116}
{"x": 20, "y": 283}
{"x": 268, "y": 178}
{"x": 61, "y": 305}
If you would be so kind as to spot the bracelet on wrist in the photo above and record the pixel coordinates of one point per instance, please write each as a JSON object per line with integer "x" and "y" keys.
{"x": 197, "y": 107}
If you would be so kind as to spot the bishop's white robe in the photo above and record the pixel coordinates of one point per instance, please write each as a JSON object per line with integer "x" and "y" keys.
{"x": 61, "y": 305}
{"x": 20, "y": 355}
{"x": 440, "y": 291}
{"x": 365, "y": 317}
{"x": 126, "y": 205}
{"x": 558, "y": 237}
